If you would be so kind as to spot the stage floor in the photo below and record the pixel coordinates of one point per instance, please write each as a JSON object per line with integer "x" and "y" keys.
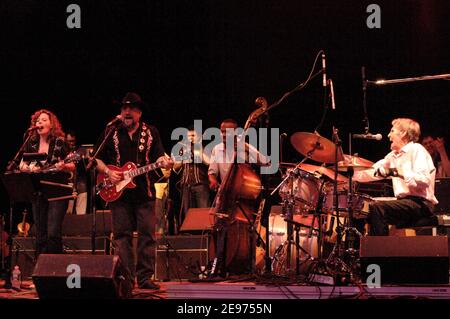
{"x": 251, "y": 290}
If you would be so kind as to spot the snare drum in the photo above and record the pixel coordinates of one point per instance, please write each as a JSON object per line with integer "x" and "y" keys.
{"x": 360, "y": 204}
{"x": 304, "y": 187}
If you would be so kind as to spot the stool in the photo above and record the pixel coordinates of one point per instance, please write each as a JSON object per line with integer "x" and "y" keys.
{"x": 424, "y": 223}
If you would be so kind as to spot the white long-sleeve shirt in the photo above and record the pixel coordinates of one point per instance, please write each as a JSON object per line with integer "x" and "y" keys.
{"x": 417, "y": 167}
{"x": 221, "y": 160}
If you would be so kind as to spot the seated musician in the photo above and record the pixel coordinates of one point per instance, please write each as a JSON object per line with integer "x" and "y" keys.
{"x": 48, "y": 215}
{"x": 413, "y": 174}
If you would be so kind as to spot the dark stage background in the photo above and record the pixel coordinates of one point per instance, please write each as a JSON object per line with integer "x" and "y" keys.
{"x": 209, "y": 60}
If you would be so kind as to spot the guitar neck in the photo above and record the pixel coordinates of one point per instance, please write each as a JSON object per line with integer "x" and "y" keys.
{"x": 144, "y": 169}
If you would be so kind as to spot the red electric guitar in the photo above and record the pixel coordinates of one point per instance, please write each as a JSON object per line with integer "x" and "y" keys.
{"x": 110, "y": 191}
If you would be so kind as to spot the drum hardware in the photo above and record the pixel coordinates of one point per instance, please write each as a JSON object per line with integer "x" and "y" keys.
{"x": 336, "y": 258}
{"x": 297, "y": 227}
{"x": 289, "y": 204}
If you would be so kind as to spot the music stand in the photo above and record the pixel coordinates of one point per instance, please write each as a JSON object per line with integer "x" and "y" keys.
{"x": 20, "y": 188}
{"x": 30, "y": 157}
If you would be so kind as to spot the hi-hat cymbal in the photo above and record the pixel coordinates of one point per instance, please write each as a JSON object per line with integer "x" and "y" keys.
{"x": 315, "y": 147}
{"x": 355, "y": 162}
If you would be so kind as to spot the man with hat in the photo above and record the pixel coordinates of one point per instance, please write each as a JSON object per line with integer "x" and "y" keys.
{"x": 134, "y": 141}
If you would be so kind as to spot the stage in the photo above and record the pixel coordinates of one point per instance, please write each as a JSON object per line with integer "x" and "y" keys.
{"x": 251, "y": 291}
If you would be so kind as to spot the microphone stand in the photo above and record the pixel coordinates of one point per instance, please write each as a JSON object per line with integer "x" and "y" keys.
{"x": 90, "y": 167}
{"x": 364, "y": 88}
{"x": 14, "y": 162}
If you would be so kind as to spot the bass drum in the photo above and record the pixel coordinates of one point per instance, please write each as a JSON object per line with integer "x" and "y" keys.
{"x": 279, "y": 246}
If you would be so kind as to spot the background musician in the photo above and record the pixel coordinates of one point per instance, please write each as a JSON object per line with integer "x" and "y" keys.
{"x": 436, "y": 148}
{"x": 194, "y": 176}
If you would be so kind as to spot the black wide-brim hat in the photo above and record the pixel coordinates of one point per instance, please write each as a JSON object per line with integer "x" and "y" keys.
{"x": 133, "y": 100}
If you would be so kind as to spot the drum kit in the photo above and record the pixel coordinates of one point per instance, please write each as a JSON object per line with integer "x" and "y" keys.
{"x": 313, "y": 199}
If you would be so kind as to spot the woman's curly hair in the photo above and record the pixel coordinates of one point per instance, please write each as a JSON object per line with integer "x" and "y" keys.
{"x": 55, "y": 131}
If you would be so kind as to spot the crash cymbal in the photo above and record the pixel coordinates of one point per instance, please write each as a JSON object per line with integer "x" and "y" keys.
{"x": 324, "y": 171}
{"x": 356, "y": 162}
{"x": 315, "y": 147}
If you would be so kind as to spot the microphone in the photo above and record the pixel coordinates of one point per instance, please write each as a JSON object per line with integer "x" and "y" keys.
{"x": 34, "y": 127}
{"x": 324, "y": 73}
{"x": 118, "y": 118}
{"x": 368, "y": 136}
{"x": 333, "y": 105}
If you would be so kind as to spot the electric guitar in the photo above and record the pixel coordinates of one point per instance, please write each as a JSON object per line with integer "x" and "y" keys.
{"x": 111, "y": 192}
{"x": 70, "y": 158}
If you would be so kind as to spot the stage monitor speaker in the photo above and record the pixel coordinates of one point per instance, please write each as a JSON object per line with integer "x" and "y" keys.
{"x": 407, "y": 260}
{"x": 198, "y": 220}
{"x": 101, "y": 277}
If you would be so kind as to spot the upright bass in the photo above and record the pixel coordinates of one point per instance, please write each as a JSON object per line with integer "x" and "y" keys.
{"x": 234, "y": 208}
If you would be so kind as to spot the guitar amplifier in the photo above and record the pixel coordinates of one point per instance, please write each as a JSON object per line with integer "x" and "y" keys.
{"x": 181, "y": 257}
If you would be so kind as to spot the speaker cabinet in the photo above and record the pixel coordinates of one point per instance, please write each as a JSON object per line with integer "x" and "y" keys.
{"x": 101, "y": 277}
{"x": 24, "y": 250}
{"x": 181, "y": 257}
{"x": 407, "y": 260}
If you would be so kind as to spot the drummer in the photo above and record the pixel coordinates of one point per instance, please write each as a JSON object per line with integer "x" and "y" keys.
{"x": 413, "y": 174}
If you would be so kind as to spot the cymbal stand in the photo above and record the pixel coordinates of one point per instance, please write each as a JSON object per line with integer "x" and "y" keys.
{"x": 350, "y": 230}
{"x": 335, "y": 258}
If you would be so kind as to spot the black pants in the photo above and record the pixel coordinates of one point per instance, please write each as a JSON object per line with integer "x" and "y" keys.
{"x": 401, "y": 213}
{"x": 128, "y": 217}
{"x": 48, "y": 219}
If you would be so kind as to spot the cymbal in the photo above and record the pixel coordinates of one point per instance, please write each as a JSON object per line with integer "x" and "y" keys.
{"x": 356, "y": 162}
{"x": 324, "y": 171}
{"x": 287, "y": 164}
{"x": 315, "y": 147}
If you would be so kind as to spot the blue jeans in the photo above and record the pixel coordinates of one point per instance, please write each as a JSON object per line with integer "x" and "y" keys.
{"x": 48, "y": 219}
{"x": 126, "y": 218}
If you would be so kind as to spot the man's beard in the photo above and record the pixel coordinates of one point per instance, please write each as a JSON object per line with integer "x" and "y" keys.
{"x": 129, "y": 124}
